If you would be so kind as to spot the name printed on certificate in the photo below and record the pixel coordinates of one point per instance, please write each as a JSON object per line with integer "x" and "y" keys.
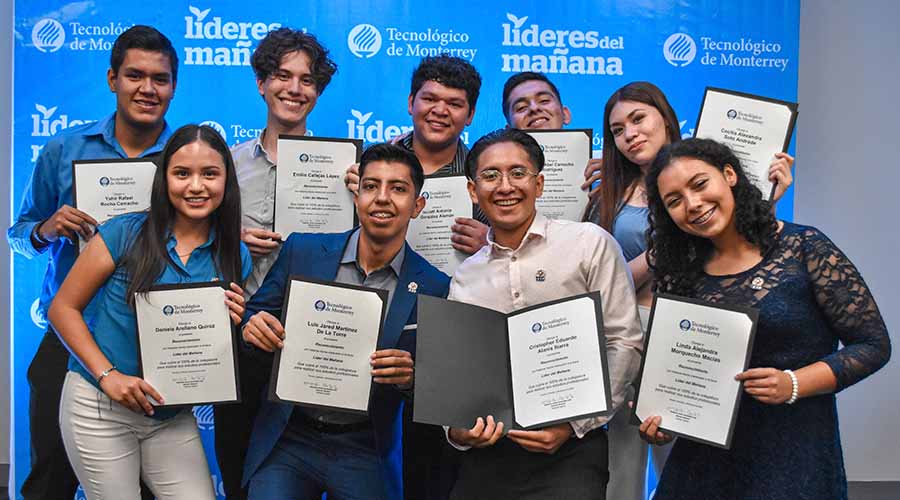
{"x": 104, "y": 189}
{"x": 557, "y": 364}
{"x": 566, "y": 153}
{"x": 446, "y": 198}
{"x": 692, "y": 352}
{"x": 187, "y": 348}
{"x": 331, "y": 330}
{"x": 754, "y": 127}
{"x": 310, "y": 195}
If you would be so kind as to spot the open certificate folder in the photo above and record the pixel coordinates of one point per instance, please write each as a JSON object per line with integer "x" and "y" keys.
{"x": 532, "y": 368}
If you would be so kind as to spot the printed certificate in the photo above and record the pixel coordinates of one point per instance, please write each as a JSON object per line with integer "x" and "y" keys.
{"x": 692, "y": 351}
{"x": 566, "y": 153}
{"x": 188, "y": 350}
{"x": 310, "y": 194}
{"x": 331, "y": 330}
{"x": 104, "y": 189}
{"x": 754, "y": 127}
{"x": 446, "y": 198}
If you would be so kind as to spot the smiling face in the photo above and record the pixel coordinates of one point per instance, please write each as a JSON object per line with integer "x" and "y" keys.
{"x": 533, "y": 105}
{"x": 196, "y": 181}
{"x": 698, "y": 197}
{"x": 143, "y": 88}
{"x": 387, "y": 200}
{"x": 439, "y": 114}
{"x": 639, "y": 131}
{"x": 290, "y": 92}
{"x": 508, "y": 204}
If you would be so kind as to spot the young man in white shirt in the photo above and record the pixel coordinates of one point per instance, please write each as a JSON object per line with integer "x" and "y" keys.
{"x": 530, "y": 260}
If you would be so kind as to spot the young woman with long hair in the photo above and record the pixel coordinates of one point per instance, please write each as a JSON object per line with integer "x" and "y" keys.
{"x": 191, "y": 233}
{"x": 713, "y": 237}
{"x": 637, "y": 122}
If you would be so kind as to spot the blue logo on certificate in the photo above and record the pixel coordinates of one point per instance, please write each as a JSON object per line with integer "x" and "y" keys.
{"x": 168, "y": 310}
{"x": 732, "y": 114}
{"x": 104, "y": 181}
{"x": 685, "y": 324}
{"x": 536, "y": 328}
{"x": 320, "y": 305}
{"x": 303, "y": 157}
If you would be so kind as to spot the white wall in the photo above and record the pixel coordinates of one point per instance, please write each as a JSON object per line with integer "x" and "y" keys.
{"x": 6, "y": 62}
{"x": 847, "y": 180}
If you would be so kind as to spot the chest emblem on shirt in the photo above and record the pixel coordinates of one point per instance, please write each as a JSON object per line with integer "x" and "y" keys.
{"x": 413, "y": 287}
{"x": 757, "y": 283}
{"x": 540, "y": 276}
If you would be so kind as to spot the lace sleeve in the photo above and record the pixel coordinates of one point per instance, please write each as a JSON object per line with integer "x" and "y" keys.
{"x": 850, "y": 310}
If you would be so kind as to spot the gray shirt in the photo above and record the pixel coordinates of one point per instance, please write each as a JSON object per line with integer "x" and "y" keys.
{"x": 351, "y": 273}
{"x": 256, "y": 177}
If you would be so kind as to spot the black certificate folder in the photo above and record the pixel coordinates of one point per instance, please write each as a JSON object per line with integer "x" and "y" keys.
{"x": 535, "y": 367}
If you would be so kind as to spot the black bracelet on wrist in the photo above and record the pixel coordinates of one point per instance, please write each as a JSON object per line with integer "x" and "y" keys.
{"x": 36, "y": 234}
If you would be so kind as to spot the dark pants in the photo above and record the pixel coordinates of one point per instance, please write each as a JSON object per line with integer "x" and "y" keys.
{"x": 577, "y": 471}
{"x": 51, "y": 476}
{"x": 234, "y": 423}
{"x": 430, "y": 464}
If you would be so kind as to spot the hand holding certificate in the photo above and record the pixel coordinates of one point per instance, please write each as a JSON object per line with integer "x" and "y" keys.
{"x": 104, "y": 189}
{"x": 186, "y": 347}
{"x": 754, "y": 127}
{"x": 566, "y": 152}
{"x": 310, "y": 195}
{"x": 330, "y": 332}
{"x": 533, "y": 368}
{"x": 692, "y": 352}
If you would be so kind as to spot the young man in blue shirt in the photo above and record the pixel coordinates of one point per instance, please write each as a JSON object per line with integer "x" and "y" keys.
{"x": 142, "y": 74}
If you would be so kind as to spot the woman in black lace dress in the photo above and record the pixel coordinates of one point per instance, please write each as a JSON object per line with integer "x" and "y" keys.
{"x": 713, "y": 237}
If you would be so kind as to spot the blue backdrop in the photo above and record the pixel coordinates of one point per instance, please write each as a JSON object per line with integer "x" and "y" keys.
{"x": 588, "y": 48}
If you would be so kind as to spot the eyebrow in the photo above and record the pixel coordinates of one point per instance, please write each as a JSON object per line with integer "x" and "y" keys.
{"x": 629, "y": 115}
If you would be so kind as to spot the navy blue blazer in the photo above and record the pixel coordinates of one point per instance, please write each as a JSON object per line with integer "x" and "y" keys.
{"x": 318, "y": 256}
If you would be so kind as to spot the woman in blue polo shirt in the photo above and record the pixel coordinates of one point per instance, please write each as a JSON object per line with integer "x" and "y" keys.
{"x": 191, "y": 233}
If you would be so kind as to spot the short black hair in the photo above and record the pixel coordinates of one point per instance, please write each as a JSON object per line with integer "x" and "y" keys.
{"x": 520, "y": 78}
{"x": 451, "y": 72}
{"x": 515, "y": 136}
{"x": 267, "y": 57}
{"x": 393, "y": 153}
{"x": 143, "y": 37}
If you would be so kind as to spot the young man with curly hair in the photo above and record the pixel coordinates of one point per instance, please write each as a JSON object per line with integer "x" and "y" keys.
{"x": 292, "y": 70}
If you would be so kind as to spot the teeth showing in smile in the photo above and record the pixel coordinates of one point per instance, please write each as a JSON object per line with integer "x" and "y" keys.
{"x": 292, "y": 104}
{"x": 703, "y": 218}
{"x": 381, "y": 215}
{"x": 195, "y": 200}
{"x": 506, "y": 203}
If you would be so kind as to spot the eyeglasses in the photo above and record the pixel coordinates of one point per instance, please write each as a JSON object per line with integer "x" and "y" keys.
{"x": 518, "y": 176}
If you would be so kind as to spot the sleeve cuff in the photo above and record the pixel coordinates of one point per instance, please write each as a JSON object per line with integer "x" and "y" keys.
{"x": 459, "y": 447}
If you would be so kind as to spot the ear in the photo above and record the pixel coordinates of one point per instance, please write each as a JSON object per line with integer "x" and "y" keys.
{"x": 471, "y": 115}
{"x": 730, "y": 175}
{"x": 539, "y": 185}
{"x": 111, "y": 80}
{"x": 420, "y": 205}
{"x": 567, "y": 115}
{"x": 409, "y": 103}
{"x": 259, "y": 87}
{"x": 472, "y": 191}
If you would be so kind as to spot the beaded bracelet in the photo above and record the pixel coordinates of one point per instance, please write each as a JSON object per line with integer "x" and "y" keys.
{"x": 105, "y": 373}
{"x": 795, "y": 386}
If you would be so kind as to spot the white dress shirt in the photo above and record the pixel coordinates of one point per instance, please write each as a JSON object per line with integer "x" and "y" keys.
{"x": 559, "y": 259}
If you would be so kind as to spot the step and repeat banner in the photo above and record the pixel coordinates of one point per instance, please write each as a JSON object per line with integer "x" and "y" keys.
{"x": 588, "y": 48}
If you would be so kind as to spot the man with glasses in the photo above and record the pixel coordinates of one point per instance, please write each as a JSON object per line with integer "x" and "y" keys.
{"x": 522, "y": 266}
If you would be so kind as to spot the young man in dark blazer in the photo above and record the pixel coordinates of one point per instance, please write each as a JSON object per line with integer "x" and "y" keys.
{"x": 297, "y": 452}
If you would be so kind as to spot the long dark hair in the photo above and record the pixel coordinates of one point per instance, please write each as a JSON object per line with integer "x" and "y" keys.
{"x": 677, "y": 258}
{"x": 147, "y": 257}
{"x": 619, "y": 176}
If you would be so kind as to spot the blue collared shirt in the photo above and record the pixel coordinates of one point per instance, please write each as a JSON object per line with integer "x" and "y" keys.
{"x": 113, "y": 326}
{"x": 51, "y": 187}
